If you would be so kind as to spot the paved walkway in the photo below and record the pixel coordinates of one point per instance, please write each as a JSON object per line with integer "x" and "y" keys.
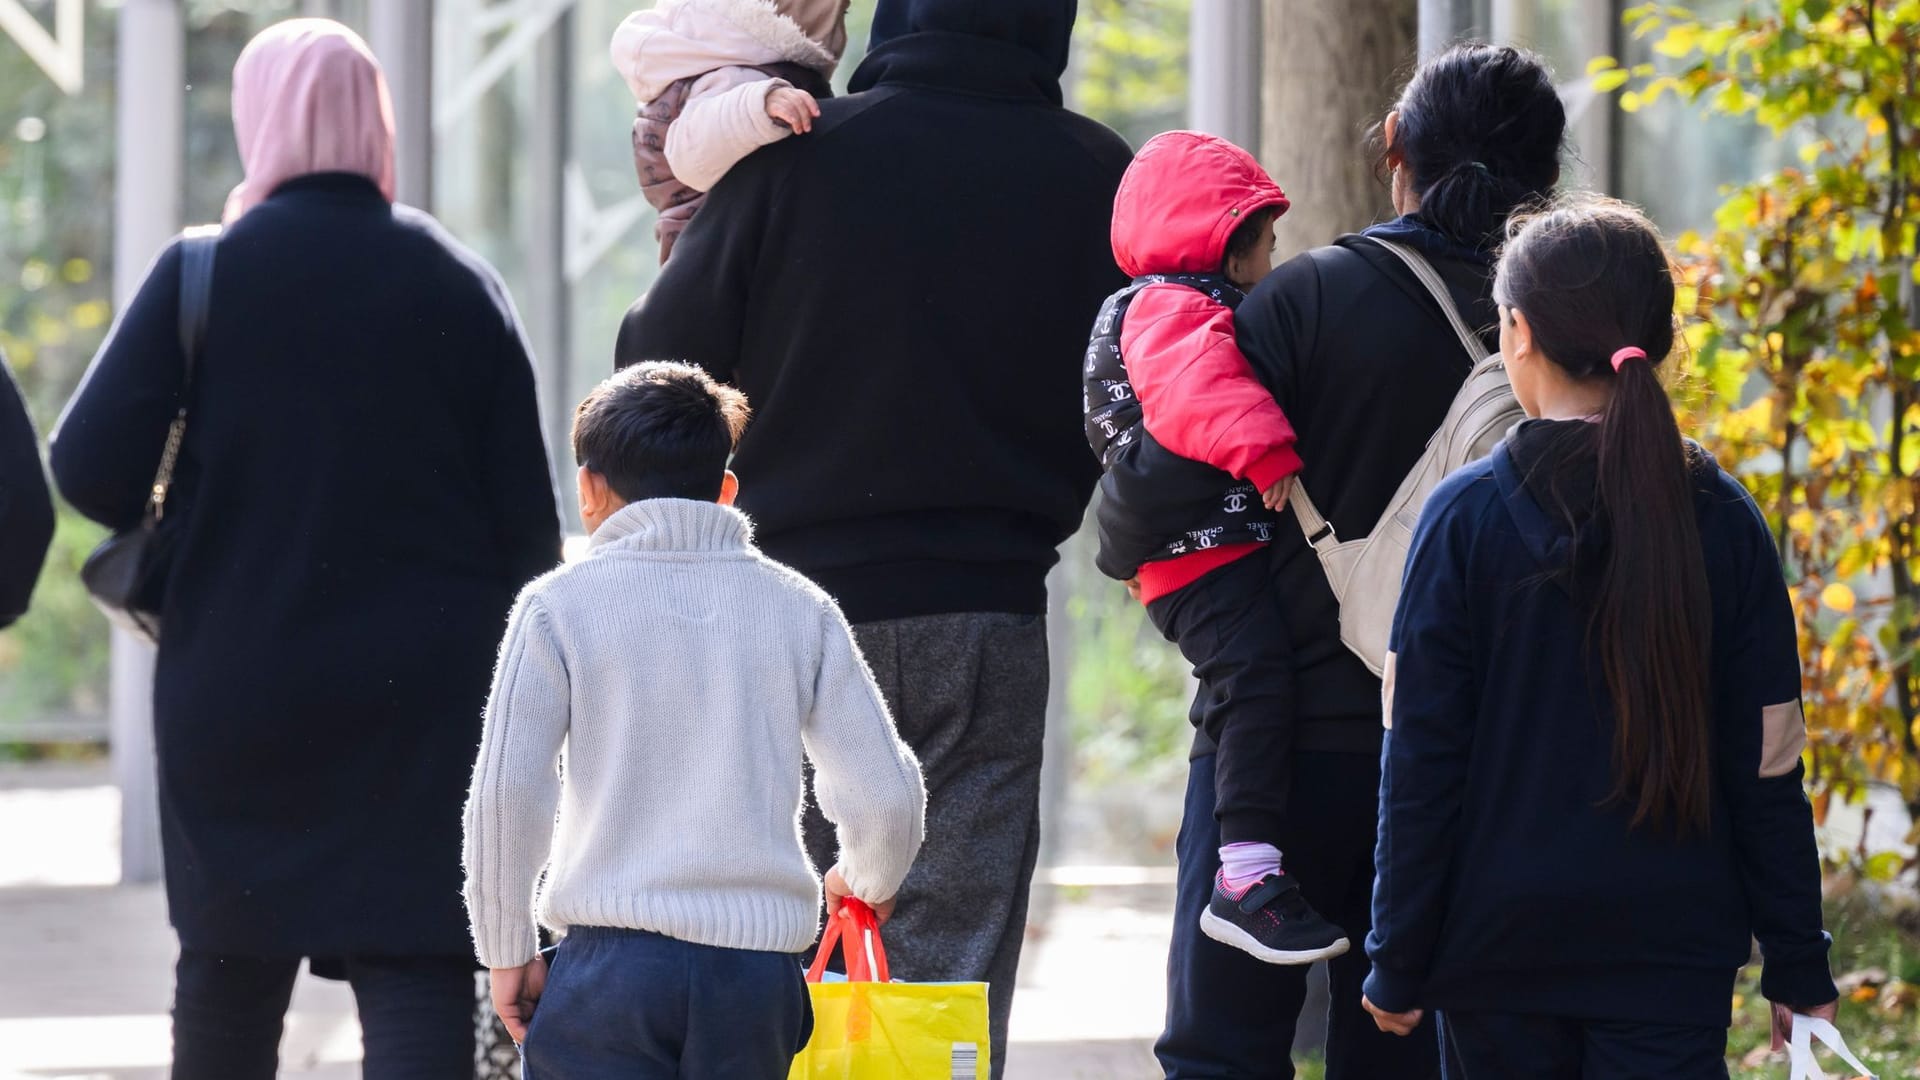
{"x": 85, "y": 964}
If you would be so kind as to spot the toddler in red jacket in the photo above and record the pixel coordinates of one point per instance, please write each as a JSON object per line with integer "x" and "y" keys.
{"x": 1198, "y": 461}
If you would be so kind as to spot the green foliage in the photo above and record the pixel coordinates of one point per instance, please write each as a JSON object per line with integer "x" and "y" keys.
{"x": 1876, "y": 958}
{"x": 1804, "y": 368}
{"x": 1130, "y": 65}
{"x": 1127, "y": 688}
{"x": 54, "y": 662}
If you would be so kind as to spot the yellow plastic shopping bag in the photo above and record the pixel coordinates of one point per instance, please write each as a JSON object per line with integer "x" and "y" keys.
{"x": 868, "y": 1028}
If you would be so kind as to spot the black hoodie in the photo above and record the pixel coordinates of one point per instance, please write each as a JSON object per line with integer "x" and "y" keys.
{"x": 904, "y": 295}
{"x": 1507, "y": 878}
{"x": 26, "y": 509}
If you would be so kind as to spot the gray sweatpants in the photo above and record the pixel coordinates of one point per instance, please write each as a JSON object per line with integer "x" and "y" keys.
{"x": 969, "y": 694}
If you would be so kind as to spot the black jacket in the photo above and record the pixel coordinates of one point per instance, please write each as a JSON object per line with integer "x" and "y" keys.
{"x": 904, "y": 294}
{"x": 365, "y": 488}
{"x": 1155, "y": 504}
{"x": 26, "y": 509}
{"x": 1365, "y": 364}
{"x": 1508, "y": 880}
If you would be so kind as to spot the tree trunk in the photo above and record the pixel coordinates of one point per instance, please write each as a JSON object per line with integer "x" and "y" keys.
{"x": 1332, "y": 72}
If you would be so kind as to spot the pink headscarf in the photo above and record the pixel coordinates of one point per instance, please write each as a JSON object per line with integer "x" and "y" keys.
{"x": 308, "y": 97}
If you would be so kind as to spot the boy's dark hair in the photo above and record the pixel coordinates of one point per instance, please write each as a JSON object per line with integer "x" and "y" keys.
{"x": 659, "y": 430}
{"x": 1250, "y": 232}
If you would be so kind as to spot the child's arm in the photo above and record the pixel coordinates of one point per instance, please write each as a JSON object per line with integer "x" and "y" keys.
{"x": 516, "y": 788}
{"x": 1430, "y": 700}
{"x": 1198, "y": 395}
{"x": 726, "y": 117}
{"x": 1761, "y": 774}
{"x": 867, "y": 780}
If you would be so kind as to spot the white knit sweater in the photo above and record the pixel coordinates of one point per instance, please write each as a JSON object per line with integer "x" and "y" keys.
{"x": 659, "y": 695}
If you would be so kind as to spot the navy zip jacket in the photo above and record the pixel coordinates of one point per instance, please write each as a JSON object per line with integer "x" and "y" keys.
{"x": 1507, "y": 879}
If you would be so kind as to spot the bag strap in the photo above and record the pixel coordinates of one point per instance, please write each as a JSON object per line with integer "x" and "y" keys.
{"x": 196, "y": 301}
{"x": 196, "y": 293}
{"x": 866, "y": 962}
{"x": 1436, "y": 288}
{"x": 1318, "y": 530}
{"x": 1800, "y": 1048}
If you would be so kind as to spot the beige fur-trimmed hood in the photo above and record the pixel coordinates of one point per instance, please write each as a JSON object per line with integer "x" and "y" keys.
{"x": 678, "y": 39}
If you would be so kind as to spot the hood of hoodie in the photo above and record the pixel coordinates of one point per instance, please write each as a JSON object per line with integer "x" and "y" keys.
{"x": 1548, "y": 476}
{"x": 1032, "y": 38}
{"x": 1180, "y": 201}
{"x": 1548, "y": 472}
{"x": 680, "y": 39}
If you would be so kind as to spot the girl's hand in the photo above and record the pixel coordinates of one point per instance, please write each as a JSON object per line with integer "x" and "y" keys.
{"x": 1783, "y": 1019}
{"x": 516, "y": 991}
{"x": 1394, "y": 1023}
{"x": 837, "y": 893}
{"x": 794, "y": 108}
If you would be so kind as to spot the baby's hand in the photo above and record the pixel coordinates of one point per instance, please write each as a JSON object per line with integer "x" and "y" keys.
{"x": 1275, "y": 497}
{"x": 794, "y": 108}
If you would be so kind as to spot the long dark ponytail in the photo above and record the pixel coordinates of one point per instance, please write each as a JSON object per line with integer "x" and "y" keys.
{"x": 1480, "y": 130}
{"x": 1593, "y": 279}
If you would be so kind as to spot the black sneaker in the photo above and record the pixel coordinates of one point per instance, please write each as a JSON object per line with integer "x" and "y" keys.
{"x": 1271, "y": 921}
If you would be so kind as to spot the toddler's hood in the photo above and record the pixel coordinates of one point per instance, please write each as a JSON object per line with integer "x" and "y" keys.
{"x": 678, "y": 39}
{"x": 1181, "y": 199}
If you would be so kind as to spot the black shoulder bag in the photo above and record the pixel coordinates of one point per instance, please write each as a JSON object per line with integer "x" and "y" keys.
{"x": 127, "y": 573}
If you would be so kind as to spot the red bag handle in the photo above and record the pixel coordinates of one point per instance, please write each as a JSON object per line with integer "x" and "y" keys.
{"x": 856, "y": 932}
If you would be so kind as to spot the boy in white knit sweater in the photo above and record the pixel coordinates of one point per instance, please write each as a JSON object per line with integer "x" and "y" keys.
{"x": 644, "y": 746}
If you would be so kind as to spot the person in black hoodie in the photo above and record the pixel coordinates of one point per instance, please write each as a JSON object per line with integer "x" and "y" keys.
{"x": 26, "y": 508}
{"x": 1592, "y": 797}
{"x": 905, "y": 295}
{"x": 1365, "y": 364}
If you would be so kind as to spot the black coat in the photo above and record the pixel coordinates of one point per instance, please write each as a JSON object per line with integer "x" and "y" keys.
{"x": 1365, "y": 364}
{"x": 26, "y": 509}
{"x": 366, "y": 488}
{"x": 904, "y": 294}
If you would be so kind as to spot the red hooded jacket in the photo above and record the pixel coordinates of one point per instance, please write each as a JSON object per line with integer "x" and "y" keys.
{"x": 1180, "y": 200}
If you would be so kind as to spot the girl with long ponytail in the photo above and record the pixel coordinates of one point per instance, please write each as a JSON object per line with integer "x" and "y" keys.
{"x": 1591, "y": 800}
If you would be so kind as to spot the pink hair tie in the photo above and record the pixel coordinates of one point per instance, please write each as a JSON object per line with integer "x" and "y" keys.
{"x": 1631, "y": 352}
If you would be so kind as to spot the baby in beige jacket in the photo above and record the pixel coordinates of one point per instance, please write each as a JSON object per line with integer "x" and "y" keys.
{"x": 716, "y": 80}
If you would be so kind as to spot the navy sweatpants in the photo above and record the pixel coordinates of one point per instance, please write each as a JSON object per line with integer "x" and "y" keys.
{"x": 1231, "y": 1017}
{"x": 643, "y": 1006}
{"x": 1495, "y": 1046}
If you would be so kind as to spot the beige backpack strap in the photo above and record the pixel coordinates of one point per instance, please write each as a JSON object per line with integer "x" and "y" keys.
{"x": 1429, "y": 277}
{"x": 1313, "y": 524}
{"x": 1318, "y": 530}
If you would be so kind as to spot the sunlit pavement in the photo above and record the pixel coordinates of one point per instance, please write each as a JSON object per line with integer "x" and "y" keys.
{"x": 85, "y": 964}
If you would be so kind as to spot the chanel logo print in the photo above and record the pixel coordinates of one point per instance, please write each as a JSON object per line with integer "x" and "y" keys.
{"x": 1206, "y": 538}
{"x": 1236, "y": 502}
{"x": 1262, "y": 530}
{"x": 1116, "y": 390}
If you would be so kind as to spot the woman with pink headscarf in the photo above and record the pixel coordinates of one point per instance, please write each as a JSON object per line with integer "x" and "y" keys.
{"x": 361, "y": 491}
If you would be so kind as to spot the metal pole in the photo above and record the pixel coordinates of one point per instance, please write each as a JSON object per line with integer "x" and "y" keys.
{"x": 150, "y": 138}
{"x": 1443, "y": 22}
{"x": 1223, "y": 69}
{"x": 550, "y": 299}
{"x": 401, "y": 33}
